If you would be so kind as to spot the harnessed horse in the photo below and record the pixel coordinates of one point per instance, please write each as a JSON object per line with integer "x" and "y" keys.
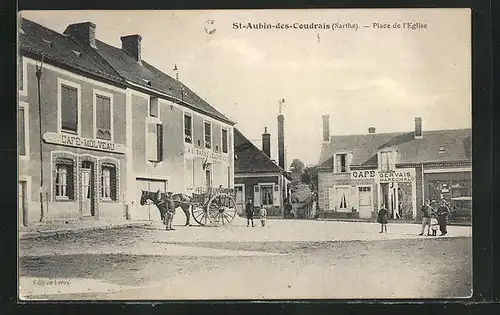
{"x": 179, "y": 199}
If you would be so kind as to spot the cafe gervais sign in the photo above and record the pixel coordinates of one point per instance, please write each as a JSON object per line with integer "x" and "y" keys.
{"x": 404, "y": 175}
{"x": 84, "y": 143}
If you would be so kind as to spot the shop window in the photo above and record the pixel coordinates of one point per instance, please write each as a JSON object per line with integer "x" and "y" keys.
{"x": 103, "y": 117}
{"x": 188, "y": 129}
{"x": 64, "y": 181}
{"x": 208, "y": 135}
{"x": 108, "y": 182}
{"x": 154, "y": 142}
{"x": 266, "y": 195}
{"x": 154, "y": 108}
{"x": 69, "y": 108}
{"x": 224, "y": 140}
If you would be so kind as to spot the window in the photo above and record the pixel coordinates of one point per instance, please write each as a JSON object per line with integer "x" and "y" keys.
{"x": 188, "y": 129}
{"x": 266, "y": 195}
{"x": 21, "y": 135}
{"x": 154, "y": 109}
{"x": 69, "y": 108}
{"x": 103, "y": 117}
{"x": 342, "y": 198}
{"x": 154, "y": 142}
{"x": 386, "y": 161}
{"x": 224, "y": 140}
{"x": 108, "y": 182}
{"x": 64, "y": 180}
{"x": 341, "y": 162}
{"x": 208, "y": 135}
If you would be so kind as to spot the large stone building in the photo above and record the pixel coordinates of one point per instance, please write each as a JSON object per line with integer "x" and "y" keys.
{"x": 105, "y": 124}
{"x": 357, "y": 173}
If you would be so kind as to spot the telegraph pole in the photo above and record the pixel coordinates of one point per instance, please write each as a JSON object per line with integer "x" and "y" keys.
{"x": 39, "y": 77}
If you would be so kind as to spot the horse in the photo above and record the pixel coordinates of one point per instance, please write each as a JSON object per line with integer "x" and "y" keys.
{"x": 179, "y": 199}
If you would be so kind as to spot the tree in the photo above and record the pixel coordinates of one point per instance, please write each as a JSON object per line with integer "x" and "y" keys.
{"x": 297, "y": 166}
{"x": 310, "y": 177}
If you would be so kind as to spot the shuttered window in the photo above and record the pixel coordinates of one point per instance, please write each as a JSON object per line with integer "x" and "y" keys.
{"x": 64, "y": 180}
{"x": 224, "y": 140}
{"x": 69, "y": 108}
{"x": 208, "y": 135}
{"x": 108, "y": 182}
{"x": 188, "y": 129}
{"x": 103, "y": 117}
{"x": 159, "y": 142}
{"x": 154, "y": 142}
{"x": 21, "y": 143}
{"x": 266, "y": 195}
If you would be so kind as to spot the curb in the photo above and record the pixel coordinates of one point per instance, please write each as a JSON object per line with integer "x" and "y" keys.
{"x": 30, "y": 235}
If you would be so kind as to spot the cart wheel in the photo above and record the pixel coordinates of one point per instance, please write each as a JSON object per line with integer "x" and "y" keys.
{"x": 200, "y": 215}
{"x": 221, "y": 209}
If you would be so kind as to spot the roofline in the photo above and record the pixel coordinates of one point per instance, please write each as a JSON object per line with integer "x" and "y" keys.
{"x": 395, "y": 132}
{"x": 36, "y": 55}
{"x": 403, "y": 165}
{"x": 179, "y": 101}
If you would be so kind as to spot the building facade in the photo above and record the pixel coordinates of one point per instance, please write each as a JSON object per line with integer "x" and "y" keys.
{"x": 112, "y": 125}
{"x": 359, "y": 173}
{"x": 258, "y": 177}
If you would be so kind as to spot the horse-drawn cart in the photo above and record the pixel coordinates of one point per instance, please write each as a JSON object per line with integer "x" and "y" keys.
{"x": 209, "y": 206}
{"x": 213, "y": 206}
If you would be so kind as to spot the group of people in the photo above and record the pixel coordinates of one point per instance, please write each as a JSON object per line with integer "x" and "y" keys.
{"x": 250, "y": 209}
{"x": 430, "y": 218}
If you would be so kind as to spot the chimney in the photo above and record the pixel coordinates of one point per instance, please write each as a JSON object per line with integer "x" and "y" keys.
{"x": 131, "y": 44}
{"x": 326, "y": 128}
{"x": 83, "y": 33}
{"x": 371, "y": 130}
{"x": 281, "y": 141}
{"x": 266, "y": 143}
{"x": 418, "y": 127}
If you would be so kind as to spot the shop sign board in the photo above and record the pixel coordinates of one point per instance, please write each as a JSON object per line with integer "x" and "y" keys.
{"x": 403, "y": 175}
{"x": 85, "y": 143}
{"x": 208, "y": 154}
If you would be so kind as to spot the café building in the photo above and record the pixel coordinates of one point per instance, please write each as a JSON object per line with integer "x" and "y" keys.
{"x": 358, "y": 173}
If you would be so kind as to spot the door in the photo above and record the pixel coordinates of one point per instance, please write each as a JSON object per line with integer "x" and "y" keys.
{"x": 240, "y": 198}
{"x": 86, "y": 192}
{"x": 208, "y": 179}
{"x": 23, "y": 211}
{"x": 365, "y": 202}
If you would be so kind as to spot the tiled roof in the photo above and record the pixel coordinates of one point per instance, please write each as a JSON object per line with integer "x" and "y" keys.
{"x": 249, "y": 159}
{"x": 456, "y": 144}
{"x": 35, "y": 40}
{"x": 147, "y": 76}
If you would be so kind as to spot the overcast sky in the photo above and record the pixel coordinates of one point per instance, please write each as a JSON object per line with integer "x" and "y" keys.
{"x": 361, "y": 78}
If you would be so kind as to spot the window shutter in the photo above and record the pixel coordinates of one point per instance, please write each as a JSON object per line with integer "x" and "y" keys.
{"x": 393, "y": 159}
{"x": 69, "y": 108}
{"x": 348, "y": 162}
{"x": 276, "y": 196}
{"x": 335, "y": 166}
{"x": 151, "y": 142}
{"x": 256, "y": 195}
{"x": 70, "y": 182}
{"x": 159, "y": 144}
{"x": 21, "y": 136}
{"x": 103, "y": 117}
{"x": 113, "y": 184}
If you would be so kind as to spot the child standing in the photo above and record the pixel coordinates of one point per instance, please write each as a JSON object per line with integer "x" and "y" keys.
{"x": 263, "y": 215}
{"x": 383, "y": 218}
{"x": 434, "y": 225}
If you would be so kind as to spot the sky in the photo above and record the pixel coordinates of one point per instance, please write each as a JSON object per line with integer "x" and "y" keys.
{"x": 369, "y": 76}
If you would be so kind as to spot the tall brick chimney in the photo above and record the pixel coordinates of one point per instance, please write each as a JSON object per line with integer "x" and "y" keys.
{"x": 82, "y": 32}
{"x": 131, "y": 44}
{"x": 281, "y": 141}
{"x": 418, "y": 128}
{"x": 266, "y": 143}
{"x": 326, "y": 128}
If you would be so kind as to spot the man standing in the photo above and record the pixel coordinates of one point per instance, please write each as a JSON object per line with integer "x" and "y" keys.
{"x": 170, "y": 211}
{"x": 249, "y": 211}
{"x": 426, "y": 217}
{"x": 443, "y": 213}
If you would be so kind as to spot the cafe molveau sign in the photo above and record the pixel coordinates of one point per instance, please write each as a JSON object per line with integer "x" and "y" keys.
{"x": 403, "y": 175}
{"x": 84, "y": 143}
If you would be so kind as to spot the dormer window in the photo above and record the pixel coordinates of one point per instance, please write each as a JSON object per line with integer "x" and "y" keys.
{"x": 342, "y": 163}
{"x": 441, "y": 149}
{"x": 386, "y": 163}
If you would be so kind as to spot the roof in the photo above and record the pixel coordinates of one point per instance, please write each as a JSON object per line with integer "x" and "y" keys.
{"x": 147, "y": 76}
{"x": 456, "y": 144}
{"x": 249, "y": 159}
{"x": 36, "y": 40}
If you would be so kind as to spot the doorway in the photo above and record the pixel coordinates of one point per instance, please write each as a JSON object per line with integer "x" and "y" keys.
{"x": 365, "y": 202}
{"x": 22, "y": 211}
{"x": 240, "y": 198}
{"x": 391, "y": 199}
{"x": 87, "y": 191}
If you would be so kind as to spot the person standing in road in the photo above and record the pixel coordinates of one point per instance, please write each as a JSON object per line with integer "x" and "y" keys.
{"x": 170, "y": 211}
{"x": 426, "y": 217}
{"x": 263, "y": 215}
{"x": 443, "y": 213}
{"x": 249, "y": 211}
{"x": 383, "y": 218}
